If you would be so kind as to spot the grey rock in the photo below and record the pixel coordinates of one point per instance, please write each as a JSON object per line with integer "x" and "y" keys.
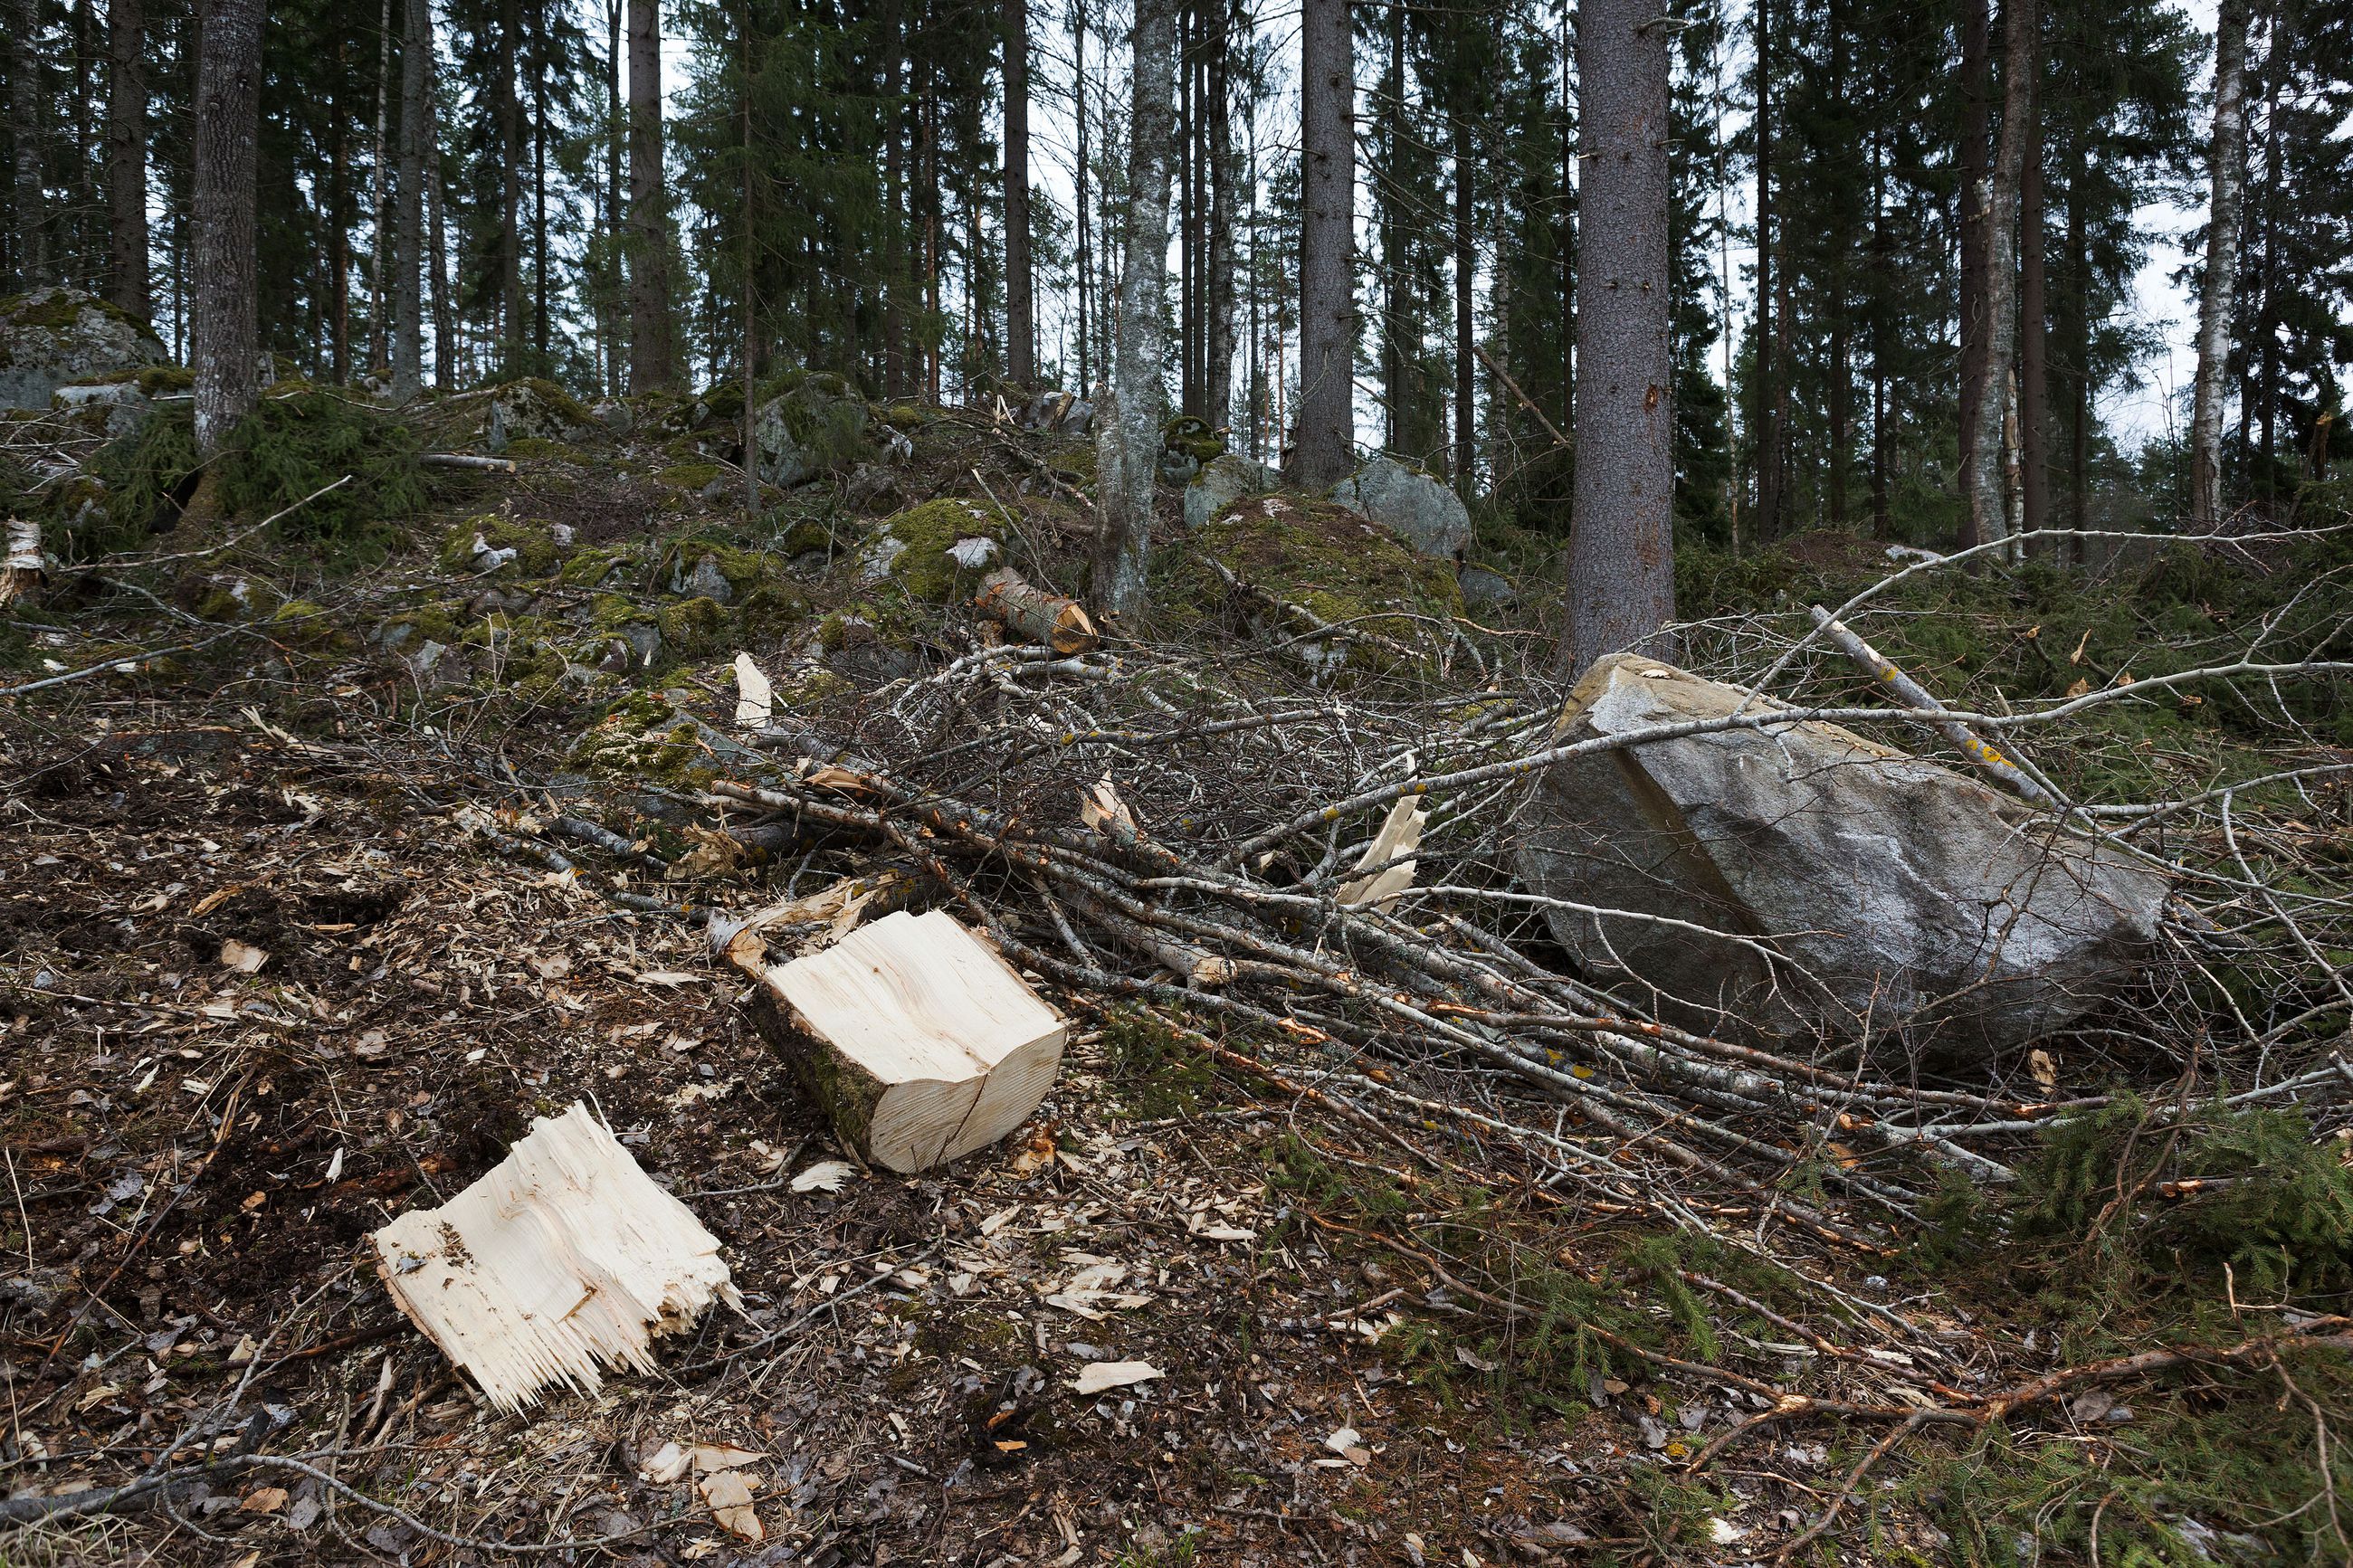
{"x": 1077, "y": 419}
{"x": 616, "y": 415}
{"x": 1866, "y": 893}
{"x": 644, "y": 640}
{"x": 839, "y": 417}
{"x": 525, "y": 410}
{"x": 120, "y": 403}
{"x": 1486, "y": 590}
{"x": 53, "y": 336}
{"x": 708, "y": 582}
{"x": 1428, "y": 517}
{"x": 1222, "y": 482}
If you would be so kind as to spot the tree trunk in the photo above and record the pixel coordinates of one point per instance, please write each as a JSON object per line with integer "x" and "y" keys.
{"x": 1020, "y": 330}
{"x": 1883, "y": 524}
{"x": 380, "y": 215}
{"x": 1128, "y": 448}
{"x": 2267, "y": 280}
{"x": 1217, "y": 342}
{"x": 506, "y": 124}
{"x": 2227, "y": 169}
{"x": 1976, "y": 94}
{"x": 653, "y": 359}
{"x": 409, "y": 213}
{"x": 1085, "y": 261}
{"x": 1768, "y": 403}
{"x": 2033, "y": 346}
{"x": 1397, "y": 371}
{"x": 126, "y": 157}
{"x": 894, "y": 205}
{"x": 2079, "y": 420}
{"x": 1987, "y": 518}
{"x": 437, "y": 245}
{"x": 28, "y": 131}
{"x": 1621, "y": 573}
{"x": 223, "y": 339}
{"x": 608, "y": 313}
{"x": 1326, "y": 444}
{"x": 1466, "y": 272}
{"x": 542, "y": 361}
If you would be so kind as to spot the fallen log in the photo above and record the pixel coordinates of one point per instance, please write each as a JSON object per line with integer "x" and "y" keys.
{"x": 1061, "y": 623}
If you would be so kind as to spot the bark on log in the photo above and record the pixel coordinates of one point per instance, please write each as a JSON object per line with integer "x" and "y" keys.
{"x": 1061, "y": 623}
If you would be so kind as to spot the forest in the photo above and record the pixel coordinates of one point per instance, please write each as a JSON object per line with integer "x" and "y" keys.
{"x": 1161, "y": 782}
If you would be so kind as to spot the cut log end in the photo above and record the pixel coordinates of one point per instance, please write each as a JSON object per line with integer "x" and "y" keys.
{"x": 1061, "y": 624}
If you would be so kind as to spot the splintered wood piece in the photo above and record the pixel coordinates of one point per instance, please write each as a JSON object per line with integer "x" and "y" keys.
{"x": 566, "y": 1259}
{"x": 1061, "y": 624}
{"x": 21, "y": 572}
{"x": 1401, "y": 834}
{"x": 915, "y": 1037}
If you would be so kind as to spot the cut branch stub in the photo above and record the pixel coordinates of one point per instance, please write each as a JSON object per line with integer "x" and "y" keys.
{"x": 1061, "y": 623}
{"x": 916, "y": 1039}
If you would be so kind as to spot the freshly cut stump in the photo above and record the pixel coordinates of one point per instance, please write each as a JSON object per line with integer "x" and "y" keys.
{"x": 915, "y": 1037}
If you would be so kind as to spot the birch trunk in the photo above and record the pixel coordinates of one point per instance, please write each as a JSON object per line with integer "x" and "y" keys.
{"x": 1128, "y": 448}
{"x": 1988, "y": 516}
{"x": 2227, "y": 161}
{"x": 223, "y": 333}
{"x": 1621, "y": 570}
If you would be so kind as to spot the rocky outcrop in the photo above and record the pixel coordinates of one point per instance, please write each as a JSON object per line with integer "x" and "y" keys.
{"x": 1430, "y": 518}
{"x": 1223, "y": 482}
{"x": 818, "y": 425}
{"x": 537, "y": 410}
{"x": 1801, "y": 881}
{"x": 53, "y": 336}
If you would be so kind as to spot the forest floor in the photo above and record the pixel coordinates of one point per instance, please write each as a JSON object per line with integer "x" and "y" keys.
{"x": 263, "y": 988}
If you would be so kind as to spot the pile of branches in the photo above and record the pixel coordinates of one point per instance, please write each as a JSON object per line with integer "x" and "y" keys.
{"x": 1192, "y": 829}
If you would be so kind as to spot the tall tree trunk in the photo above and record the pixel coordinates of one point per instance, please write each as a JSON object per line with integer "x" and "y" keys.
{"x": 1988, "y": 516}
{"x": 653, "y": 357}
{"x": 1396, "y": 369}
{"x": 2267, "y": 279}
{"x": 1977, "y": 100}
{"x": 339, "y": 248}
{"x": 1188, "y": 237}
{"x": 408, "y": 207}
{"x": 506, "y": 124}
{"x": 1020, "y": 329}
{"x": 1466, "y": 274}
{"x": 436, "y": 245}
{"x": 380, "y": 210}
{"x": 224, "y": 334}
{"x": 894, "y": 204}
{"x": 1085, "y": 261}
{"x": 2227, "y": 169}
{"x": 609, "y": 315}
{"x": 2033, "y": 346}
{"x": 1768, "y": 401}
{"x": 126, "y": 157}
{"x": 27, "y": 132}
{"x": 1218, "y": 340}
{"x": 1621, "y": 562}
{"x": 1127, "y": 450}
{"x": 541, "y": 361}
{"x": 1881, "y": 520}
{"x": 1326, "y": 444}
{"x": 2079, "y": 320}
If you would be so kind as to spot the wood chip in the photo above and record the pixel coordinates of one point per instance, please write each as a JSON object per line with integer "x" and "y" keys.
{"x": 1097, "y": 1376}
{"x": 754, "y": 698}
{"x": 729, "y": 1493}
{"x": 244, "y": 960}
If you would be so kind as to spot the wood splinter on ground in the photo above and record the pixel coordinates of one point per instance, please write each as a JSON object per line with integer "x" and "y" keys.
{"x": 21, "y": 572}
{"x": 914, "y": 1036}
{"x": 564, "y": 1260}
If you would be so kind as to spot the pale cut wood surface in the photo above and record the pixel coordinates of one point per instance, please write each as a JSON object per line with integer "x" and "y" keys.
{"x": 934, "y": 1046}
{"x": 564, "y": 1259}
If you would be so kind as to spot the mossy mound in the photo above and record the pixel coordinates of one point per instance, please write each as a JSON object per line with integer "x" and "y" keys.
{"x": 1190, "y": 435}
{"x": 533, "y": 540}
{"x": 911, "y": 548}
{"x": 1324, "y": 558}
{"x": 642, "y": 738}
{"x": 691, "y": 626}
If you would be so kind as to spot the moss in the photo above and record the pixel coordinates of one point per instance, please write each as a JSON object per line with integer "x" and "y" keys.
{"x": 540, "y": 447}
{"x": 766, "y": 615}
{"x": 923, "y": 566}
{"x": 302, "y": 623}
{"x": 59, "y": 309}
{"x": 565, "y": 407}
{"x": 691, "y": 626}
{"x": 643, "y": 738}
{"x": 531, "y": 539}
{"x": 1190, "y": 434}
{"x": 803, "y": 537}
{"x": 587, "y": 568}
{"x": 1327, "y": 559}
{"x": 691, "y": 476}
{"x": 905, "y": 417}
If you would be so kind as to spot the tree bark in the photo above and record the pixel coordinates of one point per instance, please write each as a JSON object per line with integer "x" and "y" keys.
{"x": 1767, "y": 424}
{"x": 1020, "y": 329}
{"x": 1326, "y": 444}
{"x": 437, "y": 245}
{"x": 653, "y": 358}
{"x": 1621, "y": 576}
{"x": 126, "y": 157}
{"x": 27, "y": 132}
{"x": 894, "y": 205}
{"x": 2033, "y": 345}
{"x": 506, "y": 124}
{"x": 1218, "y": 381}
{"x": 223, "y": 337}
{"x": 408, "y": 214}
{"x": 608, "y": 313}
{"x": 1466, "y": 273}
{"x": 1976, "y": 93}
{"x": 2227, "y": 171}
{"x": 1085, "y": 262}
{"x": 379, "y": 156}
{"x": 1987, "y": 518}
{"x": 1128, "y": 448}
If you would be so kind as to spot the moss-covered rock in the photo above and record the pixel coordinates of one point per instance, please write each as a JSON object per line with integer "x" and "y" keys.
{"x": 642, "y": 738}
{"x": 532, "y": 539}
{"x": 693, "y": 478}
{"x": 911, "y": 548}
{"x": 52, "y": 336}
{"x": 536, "y": 409}
{"x": 691, "y": 626}
{"x": 587, "y": 568}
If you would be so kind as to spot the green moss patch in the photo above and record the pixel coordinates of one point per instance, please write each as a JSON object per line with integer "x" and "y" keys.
{"x": 916, "y": 554}
{"x": 1324, "y": 558}
{"x": 533, "y": 540}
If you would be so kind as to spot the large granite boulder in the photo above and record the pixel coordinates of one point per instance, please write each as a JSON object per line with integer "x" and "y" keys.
{"x": 52, "y": 336}
{"x": 1861, "y": 892}
{"x": 535, "y": 409}
{"x": 1223, "y": 482}
{"x": 817, "y": 425}
{"x": 1429, "y": 517}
